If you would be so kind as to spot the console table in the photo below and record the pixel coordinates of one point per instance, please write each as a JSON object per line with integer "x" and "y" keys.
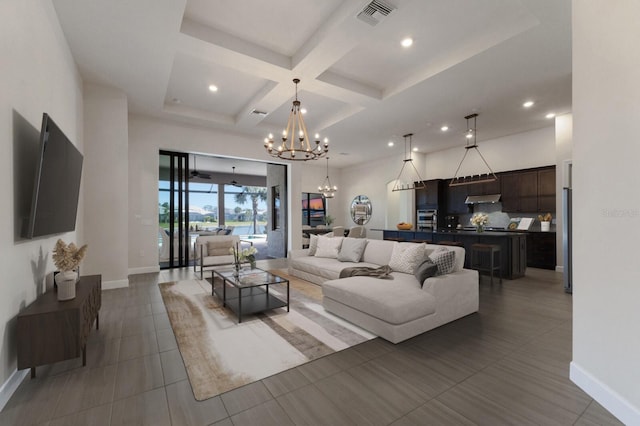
{"x": 50, "y": 330}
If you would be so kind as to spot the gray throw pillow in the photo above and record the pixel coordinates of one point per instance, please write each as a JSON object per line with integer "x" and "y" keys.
{"x": 425, "y": 270}
{"x": 352, "y": 249}
{"x": 445, "y": 259}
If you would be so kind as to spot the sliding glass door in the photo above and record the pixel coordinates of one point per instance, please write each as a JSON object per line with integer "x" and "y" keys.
{"x": 173, "y": 210}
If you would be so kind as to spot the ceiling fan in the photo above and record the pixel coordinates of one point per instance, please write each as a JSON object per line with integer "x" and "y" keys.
{"x": 196, "y": 174}
{"x": 234, "y": 182}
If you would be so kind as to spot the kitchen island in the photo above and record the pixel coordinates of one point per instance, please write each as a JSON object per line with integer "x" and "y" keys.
{"x": 513, "y": 245}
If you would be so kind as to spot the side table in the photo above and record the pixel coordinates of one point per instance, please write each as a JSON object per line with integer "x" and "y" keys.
{"x": 50, "y": 330}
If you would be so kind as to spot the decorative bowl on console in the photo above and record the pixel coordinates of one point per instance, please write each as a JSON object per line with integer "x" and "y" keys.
{"x": 404, "y": 226}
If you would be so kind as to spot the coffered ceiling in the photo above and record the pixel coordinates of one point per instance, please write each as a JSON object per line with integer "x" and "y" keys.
{"x": 359, "y": 86}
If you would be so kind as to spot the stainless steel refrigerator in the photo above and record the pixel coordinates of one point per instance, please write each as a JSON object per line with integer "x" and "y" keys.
{"x": 567, "y": 228}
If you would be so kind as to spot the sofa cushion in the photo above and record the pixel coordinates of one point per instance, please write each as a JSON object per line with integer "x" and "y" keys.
{"x": 445, "y": 260}
{"x": 352, "y": 249}
{"x": 394, "y": 301}
{"x": 217, "y": 260}
{"x": 328, "y": 247}
{"x": 313, "y": 244}
{"x": 405, "y": 257}
{"x": 219, "y": 248}
{"x": 426, "y": 269}
{"x": 378, "y": 252}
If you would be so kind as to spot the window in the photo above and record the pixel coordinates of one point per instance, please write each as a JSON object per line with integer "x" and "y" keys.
{"x": 313, "y": 209}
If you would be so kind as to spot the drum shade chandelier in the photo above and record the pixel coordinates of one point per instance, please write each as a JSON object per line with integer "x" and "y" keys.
{"x": 300, "y": 149}
{"x": 472, "y": 144}
{"x": 328, "y": 190}
{"x": 415, "y": 182}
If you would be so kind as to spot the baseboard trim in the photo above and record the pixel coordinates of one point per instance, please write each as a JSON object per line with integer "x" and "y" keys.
{"x": 559, "y": 268}
{"x": 608, "y": 398}
{"x": 110, "y": 285}
{"x": 11, "y": 385}
{"x": 144, "y": 270}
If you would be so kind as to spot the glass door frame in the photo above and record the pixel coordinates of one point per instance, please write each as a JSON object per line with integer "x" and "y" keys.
{"x": 178, "y": 188}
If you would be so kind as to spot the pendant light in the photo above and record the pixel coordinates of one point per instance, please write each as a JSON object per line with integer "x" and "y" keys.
{"x": 416, "y": 182}
{"x": 328, "y": 190}
{"x": 472, "y": 144}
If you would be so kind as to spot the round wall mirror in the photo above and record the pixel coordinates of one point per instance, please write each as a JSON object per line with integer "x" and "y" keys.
{"x": 361, "y": 209}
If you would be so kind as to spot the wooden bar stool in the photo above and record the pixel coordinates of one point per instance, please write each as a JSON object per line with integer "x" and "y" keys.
{"x": 483, "y": 259}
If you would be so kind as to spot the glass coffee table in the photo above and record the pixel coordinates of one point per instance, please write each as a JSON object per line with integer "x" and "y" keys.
{"x": 249, "y": 292}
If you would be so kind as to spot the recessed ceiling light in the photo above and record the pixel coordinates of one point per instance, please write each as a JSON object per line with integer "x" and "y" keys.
{"x": 415, "y": 149}
{"x": 213, "y": 88}
{"x": 407, "y": 42}
{"x": 550, "y": 115}
{"x": 303, "y": 110}
{"x": 528, "y": 104}
{"x": 390, "y": 143}
{"x": 444, "y": 128}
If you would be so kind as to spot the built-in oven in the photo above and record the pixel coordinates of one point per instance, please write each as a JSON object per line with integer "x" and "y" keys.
{"x": 426, "y": 220}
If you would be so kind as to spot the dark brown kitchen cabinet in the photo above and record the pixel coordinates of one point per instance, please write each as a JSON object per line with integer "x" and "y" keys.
{"x": 455, "y": 197}
{"x": 541, "y": 250}
{"x": 485, "y": 188}
{"x": 520, "y": 191}
{"x": 431, "y": 196}
{"x": 547, "y": 190}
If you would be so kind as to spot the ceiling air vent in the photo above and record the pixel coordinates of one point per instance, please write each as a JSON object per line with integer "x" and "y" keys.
{"x": 258, "y": 112}
{"x": 375, "y": 12}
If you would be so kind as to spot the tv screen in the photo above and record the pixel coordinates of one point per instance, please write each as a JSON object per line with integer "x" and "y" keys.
{"x": 54, "y": 204}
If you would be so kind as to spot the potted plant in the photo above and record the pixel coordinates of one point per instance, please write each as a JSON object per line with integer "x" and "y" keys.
{"x": 479, "y": 220}
{"x": 328, "y": 220}
{"x": 67, "y": 259}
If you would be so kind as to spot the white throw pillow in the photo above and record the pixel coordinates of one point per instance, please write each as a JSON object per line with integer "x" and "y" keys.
{"x": 405, "y": 257}
{"x": 328, "y": 247}
{"x": 313, "y": 244}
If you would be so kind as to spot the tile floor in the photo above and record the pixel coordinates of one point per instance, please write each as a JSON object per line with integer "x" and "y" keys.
{"x": 508, "y": 364}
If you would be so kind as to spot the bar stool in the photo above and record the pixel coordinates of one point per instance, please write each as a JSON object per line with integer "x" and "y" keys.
{"x": 483, "y": 259}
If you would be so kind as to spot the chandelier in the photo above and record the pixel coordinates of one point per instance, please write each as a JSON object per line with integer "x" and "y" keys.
{"x": 328, "y": 190}
{"x": 299, "y": 150}
{"x": 414, "y": 183}
{"x": 472, "y": 144}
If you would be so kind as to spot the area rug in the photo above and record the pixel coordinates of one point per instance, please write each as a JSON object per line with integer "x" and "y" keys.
{"x": 221, "y": 355}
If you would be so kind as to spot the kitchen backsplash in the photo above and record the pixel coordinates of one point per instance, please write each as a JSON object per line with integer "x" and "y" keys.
{"x": 500, "y": 219}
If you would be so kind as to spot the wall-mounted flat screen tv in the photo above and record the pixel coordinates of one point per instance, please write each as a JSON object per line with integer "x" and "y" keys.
{"x": 54, "y": 204}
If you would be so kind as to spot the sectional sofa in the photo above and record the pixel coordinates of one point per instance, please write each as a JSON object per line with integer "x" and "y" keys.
{"x": 395, "y": 308}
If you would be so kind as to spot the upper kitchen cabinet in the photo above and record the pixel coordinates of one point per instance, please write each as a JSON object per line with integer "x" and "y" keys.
{"x": 431, "y": 196}
{"x": 547, "y": 190}
{"x": 528, "y": 191}
{"x": 485, "y": 188}
{"x": 455, "y": 197}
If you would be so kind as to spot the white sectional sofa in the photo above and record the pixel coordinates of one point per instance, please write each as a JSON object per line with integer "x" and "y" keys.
{"x": 394, "y": 309}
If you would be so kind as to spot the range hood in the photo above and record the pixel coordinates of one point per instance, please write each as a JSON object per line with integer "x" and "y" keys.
{"x": 482, "y": 199}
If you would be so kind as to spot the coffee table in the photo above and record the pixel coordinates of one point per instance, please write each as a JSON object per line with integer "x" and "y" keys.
{"x": 249, "y": 292}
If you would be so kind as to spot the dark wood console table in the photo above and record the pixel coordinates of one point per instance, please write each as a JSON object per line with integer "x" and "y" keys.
{"x": 50, "y": 331}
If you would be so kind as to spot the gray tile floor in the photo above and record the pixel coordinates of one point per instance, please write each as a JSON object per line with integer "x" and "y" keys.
{"x": 508, "y": 364}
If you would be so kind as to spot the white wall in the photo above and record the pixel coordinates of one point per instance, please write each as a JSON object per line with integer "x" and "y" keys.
{"x": 105, "y": 178}
{"x": 606, "y": 291}
{"x": 37, "y": 74}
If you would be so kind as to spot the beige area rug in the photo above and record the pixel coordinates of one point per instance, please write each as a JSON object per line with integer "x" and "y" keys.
{"x": 221, "y": 355}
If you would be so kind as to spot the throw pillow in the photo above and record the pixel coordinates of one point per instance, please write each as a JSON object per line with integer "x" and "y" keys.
{"x": 352, "y": 249}
{"x": 445, "y": 259}
{"x": 218, "y": 248}
{"x": 426, "y": 270}
{"x": 313, "y": 244}
{"x": 328, "y": 247}
{"x": 405, "y": 257}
